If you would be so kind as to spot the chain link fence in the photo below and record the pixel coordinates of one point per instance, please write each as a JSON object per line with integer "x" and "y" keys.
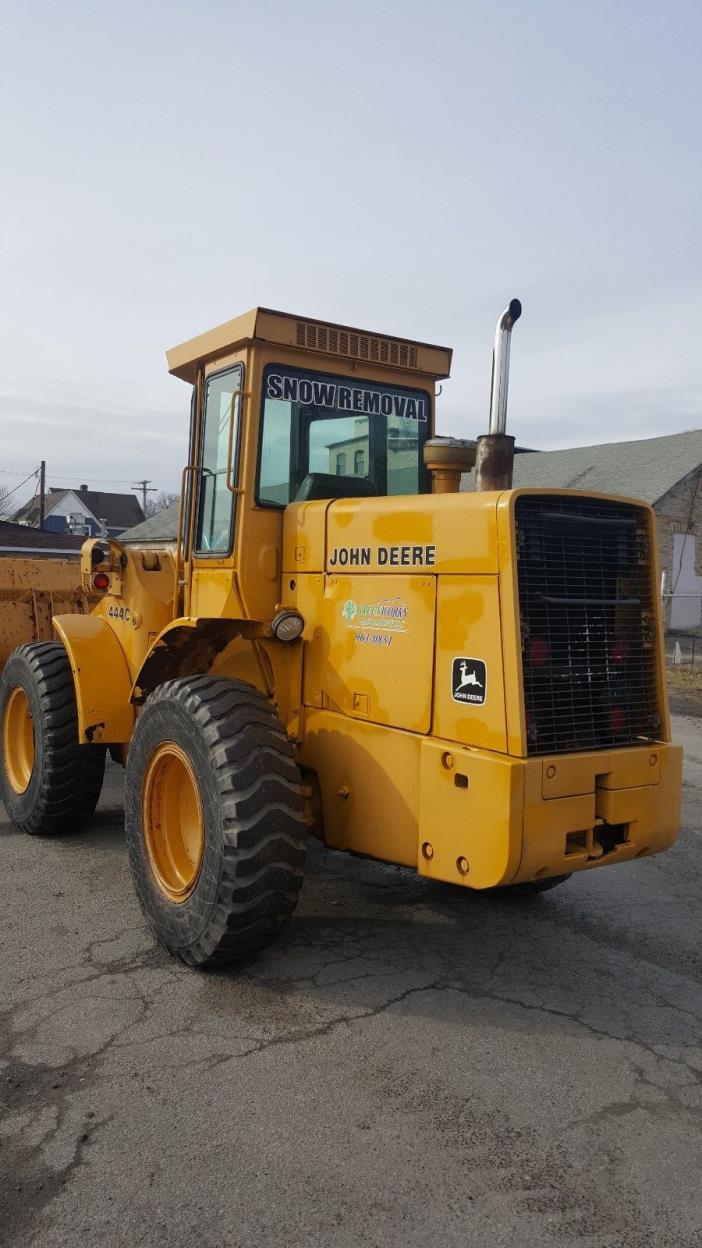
{"x": 682, "y": 617}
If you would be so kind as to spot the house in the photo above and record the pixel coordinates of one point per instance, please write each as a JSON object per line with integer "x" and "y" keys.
{"x": 87, "y": 513}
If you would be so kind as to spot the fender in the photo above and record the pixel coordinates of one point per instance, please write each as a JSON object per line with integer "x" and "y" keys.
{"x": 188, "y": 646}
{"x": 101, "y": 678}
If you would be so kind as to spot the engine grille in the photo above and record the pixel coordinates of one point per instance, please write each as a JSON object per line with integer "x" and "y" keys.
{"x": 356, "y": 345}
{"x": 587, "y": 623}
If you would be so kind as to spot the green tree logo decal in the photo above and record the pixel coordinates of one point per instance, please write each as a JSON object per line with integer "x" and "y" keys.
{"x": 349, "y": 610}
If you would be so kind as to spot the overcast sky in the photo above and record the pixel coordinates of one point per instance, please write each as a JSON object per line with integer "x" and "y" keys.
{"x": 405, "y": 167}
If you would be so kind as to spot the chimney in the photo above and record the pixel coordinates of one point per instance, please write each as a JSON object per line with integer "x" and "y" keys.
{"x": 84, "y": 487}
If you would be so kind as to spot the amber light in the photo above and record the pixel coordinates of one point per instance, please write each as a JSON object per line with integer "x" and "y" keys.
{"x": 101, "y": 581}
{"x": 539, "y": 653}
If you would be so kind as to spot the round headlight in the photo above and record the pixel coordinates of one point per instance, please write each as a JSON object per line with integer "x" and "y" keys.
{"x": 287, "y": 625}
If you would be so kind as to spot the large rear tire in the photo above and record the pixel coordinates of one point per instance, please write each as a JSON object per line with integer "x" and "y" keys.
{"x": 214, "y": 819}
{"x": 49, "y": 783}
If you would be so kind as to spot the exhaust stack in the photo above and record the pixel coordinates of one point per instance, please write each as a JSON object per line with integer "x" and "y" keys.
{"x": 495, "y": 452}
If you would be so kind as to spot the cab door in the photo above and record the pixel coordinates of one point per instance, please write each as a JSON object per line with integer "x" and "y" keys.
{"x": 215, "y": 497}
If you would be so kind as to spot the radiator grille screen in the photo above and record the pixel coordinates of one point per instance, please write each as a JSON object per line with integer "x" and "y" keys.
{"x": 587, "y": 624}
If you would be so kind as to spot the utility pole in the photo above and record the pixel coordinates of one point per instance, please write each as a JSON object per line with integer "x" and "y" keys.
{"x": 42, "y": 493}
{"x": 145, "y": 489}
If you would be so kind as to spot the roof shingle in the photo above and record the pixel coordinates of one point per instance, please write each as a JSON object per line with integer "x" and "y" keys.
{"x": 20, "y": 535}
{"x": 159, "y": 528}
{"x": 647, "y": 468}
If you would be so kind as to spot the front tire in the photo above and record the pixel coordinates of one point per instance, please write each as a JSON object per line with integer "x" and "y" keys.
{"x": 49, "y": 783}
{"x": 214, "y": 819}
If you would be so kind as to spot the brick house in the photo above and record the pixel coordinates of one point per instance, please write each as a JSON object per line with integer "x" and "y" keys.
{"x": 84, "y": 512}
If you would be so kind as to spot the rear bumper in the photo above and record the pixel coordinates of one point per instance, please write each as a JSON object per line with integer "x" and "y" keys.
{"x": 488, "y": 820}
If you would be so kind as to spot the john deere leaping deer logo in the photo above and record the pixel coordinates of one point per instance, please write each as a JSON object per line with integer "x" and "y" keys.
{"x": 469, "y": 681}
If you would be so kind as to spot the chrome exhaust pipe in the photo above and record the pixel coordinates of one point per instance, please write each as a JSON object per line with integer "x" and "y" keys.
{"x": 500, "y": 366}
{"x": 495, "y": 453}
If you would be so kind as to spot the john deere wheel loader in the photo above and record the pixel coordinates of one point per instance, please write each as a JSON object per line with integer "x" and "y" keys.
{"x": 467, "y": 684}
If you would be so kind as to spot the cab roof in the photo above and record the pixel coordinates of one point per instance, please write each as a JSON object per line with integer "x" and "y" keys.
{"x": 302, "y": 334}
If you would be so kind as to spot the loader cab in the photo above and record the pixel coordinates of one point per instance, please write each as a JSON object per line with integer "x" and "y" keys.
{"x": 290, "y": 411}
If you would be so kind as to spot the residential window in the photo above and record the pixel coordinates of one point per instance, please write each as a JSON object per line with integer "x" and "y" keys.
{"x": 359, "y": 466}
{"x": 341, "y": 464}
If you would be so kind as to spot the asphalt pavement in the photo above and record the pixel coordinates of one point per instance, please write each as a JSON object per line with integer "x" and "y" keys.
{"x": 410, "y": 1065}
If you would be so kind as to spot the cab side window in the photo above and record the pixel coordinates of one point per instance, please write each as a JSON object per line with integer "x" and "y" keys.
{"x": 221, "y": 421}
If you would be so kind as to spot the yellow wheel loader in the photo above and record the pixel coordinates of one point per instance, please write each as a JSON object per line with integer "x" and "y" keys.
{"x": 340, "y": 641}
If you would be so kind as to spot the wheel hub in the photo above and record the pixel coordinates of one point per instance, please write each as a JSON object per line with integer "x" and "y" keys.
{"x": 18, "y": 739}
{"x": 172, "y": 820}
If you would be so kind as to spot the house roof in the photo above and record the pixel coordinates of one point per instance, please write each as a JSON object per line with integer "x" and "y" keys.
{"x": 120, "y": 511}
{"x": 20, "y": 536}
{"x": 159, "y": 528}
{"x": 647, "y": 468}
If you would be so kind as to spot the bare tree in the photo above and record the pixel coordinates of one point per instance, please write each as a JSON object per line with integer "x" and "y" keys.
{"x": 160, "y": 502}
{"x": 7, "y": 502}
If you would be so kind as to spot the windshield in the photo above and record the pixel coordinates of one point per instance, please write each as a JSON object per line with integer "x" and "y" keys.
{"x": 326, "y": 436}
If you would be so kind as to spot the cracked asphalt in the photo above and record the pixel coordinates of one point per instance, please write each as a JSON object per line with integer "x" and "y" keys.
{"x": 410, "y": 1065}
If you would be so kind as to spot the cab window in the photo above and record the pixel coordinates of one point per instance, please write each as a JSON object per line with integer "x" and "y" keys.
{"x": 329, "y": 436}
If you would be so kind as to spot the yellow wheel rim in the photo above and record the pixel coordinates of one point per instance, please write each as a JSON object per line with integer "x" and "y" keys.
{"x": 174, "y": 829}
{"x": 18, "y": 739}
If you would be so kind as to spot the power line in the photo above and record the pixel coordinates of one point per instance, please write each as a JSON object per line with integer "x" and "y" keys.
{"x": 34, "y": 495}
{"x": 9, "y": 493}
{"x": 74, "y": 476}
{"x": 7, "y": 496}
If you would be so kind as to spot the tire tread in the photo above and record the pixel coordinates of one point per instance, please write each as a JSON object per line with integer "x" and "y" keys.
{"x": 257, "y": 787}
{"x": 71, "y": 774}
